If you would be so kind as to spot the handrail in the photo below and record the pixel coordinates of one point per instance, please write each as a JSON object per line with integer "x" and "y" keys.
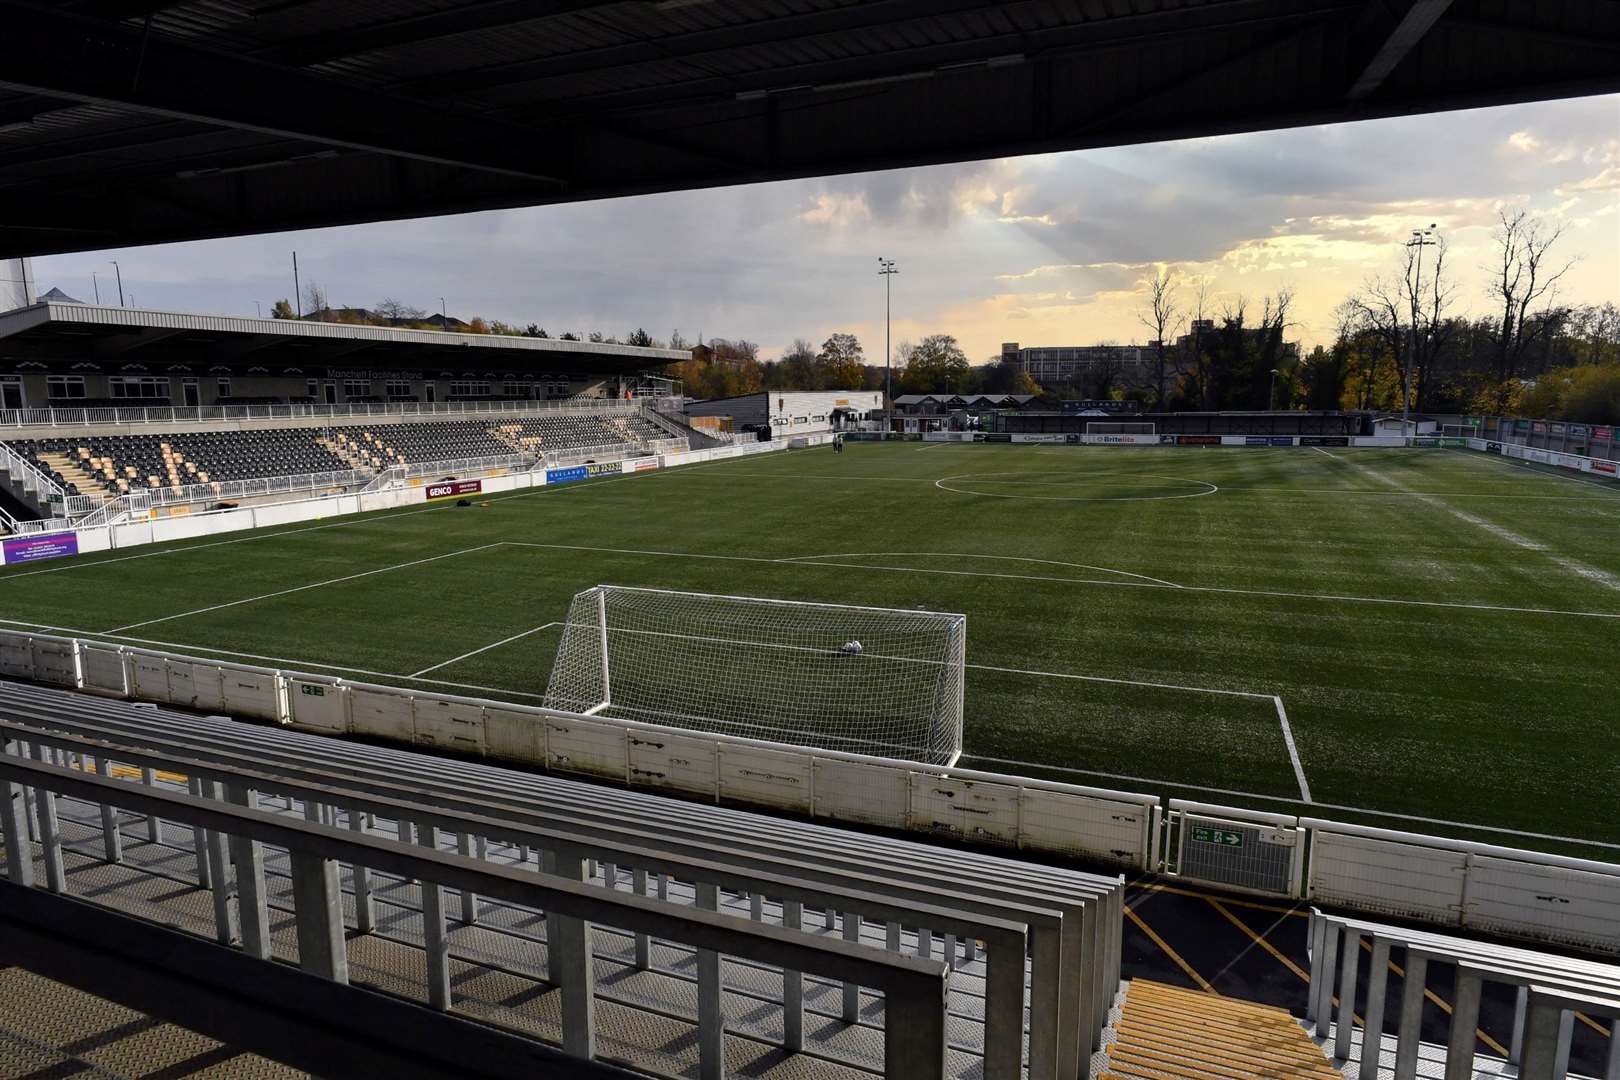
{"x": 1335, "y": 944}
{"x": 914, "y": 988}
{"x": 185, "y": 414}
{"x": 32, "y": 478}
{"x": 1005, "y": 941}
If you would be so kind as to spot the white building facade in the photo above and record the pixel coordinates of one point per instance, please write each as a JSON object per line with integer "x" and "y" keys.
{"x": 787, "y": 413}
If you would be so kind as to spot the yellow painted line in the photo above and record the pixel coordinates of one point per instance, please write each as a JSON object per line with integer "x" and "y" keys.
{"x": 1153, "y": 886}
{"x": 1442, "y": 1005}
{"x": 1203, "y": 983}
{"x": 1258, "y": 939}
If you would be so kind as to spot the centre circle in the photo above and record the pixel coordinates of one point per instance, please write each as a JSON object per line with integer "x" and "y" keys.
{"x": 1077, "y": 486}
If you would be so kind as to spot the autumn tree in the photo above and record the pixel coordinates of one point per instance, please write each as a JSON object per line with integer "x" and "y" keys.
{"x": 394, "y": 310}
{"x": 316, "y": 302}
{"x": 797, "y": 368}
{"x": 935, "y": 365}
{"x": 841, "y": 363}
{"x": 282, "y": 309}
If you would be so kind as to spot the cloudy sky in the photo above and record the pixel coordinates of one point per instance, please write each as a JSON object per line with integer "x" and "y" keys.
{"x": 1044, "y": 250}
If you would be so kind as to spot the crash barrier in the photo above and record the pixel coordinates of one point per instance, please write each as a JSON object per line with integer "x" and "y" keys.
{"x": 1550, "y": 990}
{"x": 1449, "y": 883}
{"x": 1602, "y": 468}
{"x": 235, "y": 834}
{"x": 972, "y": 905}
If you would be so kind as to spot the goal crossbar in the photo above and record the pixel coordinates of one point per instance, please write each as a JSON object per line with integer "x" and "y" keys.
{"x": 837, "y": 676}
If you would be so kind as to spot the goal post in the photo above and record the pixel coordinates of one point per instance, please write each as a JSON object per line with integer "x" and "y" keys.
{"x": 1119, "y": 427}
{"x": 883, "y": 681}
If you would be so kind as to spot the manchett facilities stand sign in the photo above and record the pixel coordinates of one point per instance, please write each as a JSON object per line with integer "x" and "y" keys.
{"x": 34, "y": 548}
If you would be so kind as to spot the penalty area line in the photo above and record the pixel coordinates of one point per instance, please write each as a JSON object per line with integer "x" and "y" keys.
{"x": 485, "y": 648}
{"x": 1293, "y": 752}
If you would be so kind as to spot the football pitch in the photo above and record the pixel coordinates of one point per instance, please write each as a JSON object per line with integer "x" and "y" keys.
{"x": 1424, "y": 634}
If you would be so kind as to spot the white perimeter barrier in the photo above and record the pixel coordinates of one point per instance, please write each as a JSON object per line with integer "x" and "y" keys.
{"x": 1450, "y": 883}
{"x": 1577, "y": 462}
{"x": 189, "y": 526}
{"x": 1010, "y": 811}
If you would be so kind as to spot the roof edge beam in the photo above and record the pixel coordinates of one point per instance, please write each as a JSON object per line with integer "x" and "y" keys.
{"x": 87, "y": 60}
{"x": 1397, "y": 44}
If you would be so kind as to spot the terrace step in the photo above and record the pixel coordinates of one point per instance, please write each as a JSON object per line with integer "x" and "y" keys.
{"x": 1166, "y": 1033}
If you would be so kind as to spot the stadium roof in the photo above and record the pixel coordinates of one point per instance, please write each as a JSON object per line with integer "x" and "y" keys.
{"x": 138, "y": 121}
{"x": 965, "y": 399}
{"x": 60, "y": 328}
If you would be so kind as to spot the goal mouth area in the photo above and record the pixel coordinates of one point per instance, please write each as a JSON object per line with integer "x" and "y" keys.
{"x": 850, "y": 678}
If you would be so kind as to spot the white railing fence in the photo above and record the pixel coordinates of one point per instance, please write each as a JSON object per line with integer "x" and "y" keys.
{"x": 1513, "y": 892}
{"x": 172, "y": 414}
{"x": 619, "y": 451}
{"x": 33, "y": 481}
{"x": 1549, "y": 990}
{"x": 235, "y": 831}
{"x": 446, "y": 466}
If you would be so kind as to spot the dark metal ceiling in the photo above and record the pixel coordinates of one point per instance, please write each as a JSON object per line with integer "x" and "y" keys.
{"x": 137, "y": 121}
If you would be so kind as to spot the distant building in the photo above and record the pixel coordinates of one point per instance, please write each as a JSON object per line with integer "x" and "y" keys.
{"x": 1055, "y": 365}
{"x": 945, "y": 404}
{"x": 779, "y": 414}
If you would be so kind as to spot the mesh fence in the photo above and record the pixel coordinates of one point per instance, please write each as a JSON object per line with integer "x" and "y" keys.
{"x": 863, "y": 680}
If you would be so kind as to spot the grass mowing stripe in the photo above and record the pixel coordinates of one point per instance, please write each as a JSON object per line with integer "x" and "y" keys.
{"x": 301, "y": 588}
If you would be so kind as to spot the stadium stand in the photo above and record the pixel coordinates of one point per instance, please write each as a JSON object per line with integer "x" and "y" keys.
{"x": 116, "y": 464}
{"x": 106, "y": 466}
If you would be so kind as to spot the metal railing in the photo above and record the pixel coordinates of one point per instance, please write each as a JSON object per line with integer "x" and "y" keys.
{"x": 32, "y": 479}
{"x": 298, "y": 483}
{"x": 11, "y": 526}
{"x": 171, "y": 414}
{"x": 1550, "y": 990}
{"x": 619, "y": 451}
{"x": 412, "y": 469}
{"x": 233, "y": 835}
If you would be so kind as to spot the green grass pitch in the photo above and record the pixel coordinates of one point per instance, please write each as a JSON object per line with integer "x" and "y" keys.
{"x": 1438, "y": 631}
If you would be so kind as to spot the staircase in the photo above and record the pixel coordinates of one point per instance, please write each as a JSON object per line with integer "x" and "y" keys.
{"x": 512, "y": 437}
{"x": 1165, "y": 1033}
{"x": 353, "y": 460}
{"x": 88, "y": 483}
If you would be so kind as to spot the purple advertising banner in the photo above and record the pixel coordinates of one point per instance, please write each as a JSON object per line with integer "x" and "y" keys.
{"x": 49, "y": 546}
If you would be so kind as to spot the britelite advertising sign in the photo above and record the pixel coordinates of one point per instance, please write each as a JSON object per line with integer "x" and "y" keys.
{"x": 449, "y": 489}
{"x": 35, "y": 548}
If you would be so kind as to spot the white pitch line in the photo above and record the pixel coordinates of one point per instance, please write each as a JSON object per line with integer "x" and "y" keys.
{"x": 1293, "y": 752}
{"x": 959, "y": 555}
{"x": 486, "y": 648}
{"x": 1118, "y": 682}
{"x": 1489, "y": 459}
{"x": 300, "y": 588}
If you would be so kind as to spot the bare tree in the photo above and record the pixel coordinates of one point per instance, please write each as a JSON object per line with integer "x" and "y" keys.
{"x": 316, "y": 304}
{"x": 1160, "y": 316}
{"x": 393, "y": 309}
{"x": 1525, "y": 275}
{"x": 1197, "y": 364}
{"x": 1407, "y": 314}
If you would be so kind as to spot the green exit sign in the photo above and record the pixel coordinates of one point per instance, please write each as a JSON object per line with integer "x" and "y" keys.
{"x": 1223, "y": 837}
{"x": 313, "y": 691}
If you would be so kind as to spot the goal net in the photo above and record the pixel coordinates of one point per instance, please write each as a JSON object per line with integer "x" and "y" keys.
{"x": 1116, "y": 427}
{"x": 858, "y": 679}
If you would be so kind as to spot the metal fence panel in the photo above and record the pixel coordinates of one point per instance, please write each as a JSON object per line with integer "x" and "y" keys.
{"x": 1247, "y": 855}
{"x": 103, "y": 669}
{"x": 767, "y": 777}
{"x": 1556, "y": 904}
{"x": 673, "y": 763}
{"x": 195, "y": 686}
{"x": 970, "y": 809}
{"x": 450, "y": 725}
{"x": 514, "y": 736}
{"x": 1079, "y": 825}
{"x": 16, "y": 655}
{"x": 1406, "y": 881}
{"x": 585, "y": 747}
{"x": 318, "y": 706}
{"x": 151, "y": 674}
{"x": 54, "y": 663}
{"x": 858, "y": 791}
{"x": 251, "y": 693}
{"x": 385, "y": 716}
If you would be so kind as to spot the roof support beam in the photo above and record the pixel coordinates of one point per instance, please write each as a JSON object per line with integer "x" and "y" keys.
{"x": 488, "y": 15}
{"x": 1399, "y": 42}
{"x": 87, "y": 60}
